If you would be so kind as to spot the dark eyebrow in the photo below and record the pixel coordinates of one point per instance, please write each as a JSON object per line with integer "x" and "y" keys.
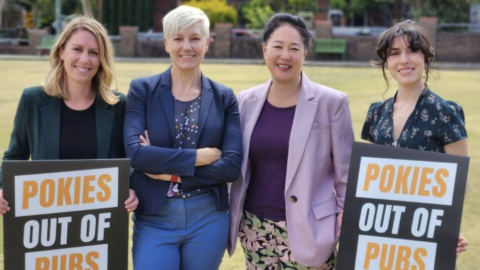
{"x": 281, "y": 42}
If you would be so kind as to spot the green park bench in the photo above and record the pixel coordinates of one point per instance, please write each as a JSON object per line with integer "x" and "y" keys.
{"x": 334, "y": 46}
{"x": 46, "y": 43}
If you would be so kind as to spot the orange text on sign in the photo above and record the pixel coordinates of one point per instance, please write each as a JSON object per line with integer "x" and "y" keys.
{"x": 67, "y": 190}
{"x": 406, "y": 180}
{"x": 394, "y": 257}
{"x": 74, "y": 261}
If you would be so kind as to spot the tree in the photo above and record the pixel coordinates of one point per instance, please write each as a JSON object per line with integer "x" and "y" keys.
{"x": 218, "y": 11}
{"x": 87, "y": 8}
{"x": 257, "y": 12}
{"x": 353, "y": 8}
{"x": 44, "y": 10}
{"x": 448, "y": 11}
{"x": 294, "y": 6}
{"x": 2, "y": 4}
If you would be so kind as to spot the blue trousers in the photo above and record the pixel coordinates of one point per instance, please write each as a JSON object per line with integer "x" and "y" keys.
{"x": 187, "y": 234}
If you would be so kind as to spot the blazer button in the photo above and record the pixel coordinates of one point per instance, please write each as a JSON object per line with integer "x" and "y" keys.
{"x": 293, "y": 199}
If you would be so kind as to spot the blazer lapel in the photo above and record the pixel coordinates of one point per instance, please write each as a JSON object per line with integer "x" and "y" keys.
{"x": 302, "y": 124}
{"x": 104, "y": 114}
{"x": 206, "y": 98}
{"x": 50, "y": 133}
{"x": 164, "y": 93}
{"x": 250, "y": 113}
{"x": 167, "y": 102}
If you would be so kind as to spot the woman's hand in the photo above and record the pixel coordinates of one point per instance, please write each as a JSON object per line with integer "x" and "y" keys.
{"x": 462, "y": 245}
{"x": 207, "y": 156}
{"x": 339, "y": 223}
{"x": 145, "y": 141}
{"x": 4, "y": 208}
{"x": 163, "y": 177}
{"x": 132, "y": 202}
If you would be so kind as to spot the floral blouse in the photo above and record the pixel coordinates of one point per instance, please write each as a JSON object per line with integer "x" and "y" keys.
{"x": 433, "y": 124}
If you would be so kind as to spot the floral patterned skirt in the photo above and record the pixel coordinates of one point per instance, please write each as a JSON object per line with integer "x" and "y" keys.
{"x": 265, "y": 244}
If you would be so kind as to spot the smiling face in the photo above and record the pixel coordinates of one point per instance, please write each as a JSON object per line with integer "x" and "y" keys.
{"x": 405, "y": 65}
{"x": 80, "y": 55}
{"x": 187, "y": 47}
{"x": 284, "y": 54}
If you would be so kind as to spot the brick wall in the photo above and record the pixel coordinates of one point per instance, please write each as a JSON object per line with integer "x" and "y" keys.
{"x": 361, "y": 48}
{"x": 458, "y": 47}
{"x": 247, "y": 48}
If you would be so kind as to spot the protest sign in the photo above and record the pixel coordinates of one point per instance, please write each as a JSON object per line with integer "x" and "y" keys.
{"x": 66, "y": 214}
{"x": 403, "y": 209}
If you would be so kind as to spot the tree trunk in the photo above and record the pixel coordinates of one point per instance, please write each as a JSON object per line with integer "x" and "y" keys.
{"x": 2, "y": 3}
{"x": 100, "y": 10}
{"x": 87, "y": 8}
{"x": 399, "y": 11}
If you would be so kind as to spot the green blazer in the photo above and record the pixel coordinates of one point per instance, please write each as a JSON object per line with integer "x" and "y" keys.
{"x": 36, "y": 129}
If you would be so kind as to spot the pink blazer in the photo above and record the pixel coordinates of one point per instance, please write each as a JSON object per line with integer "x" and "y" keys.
{"x": 317, "y": 168}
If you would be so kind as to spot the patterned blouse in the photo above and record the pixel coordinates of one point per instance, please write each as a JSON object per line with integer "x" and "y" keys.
{"x": 433, "y": 124}
{"x": 187, "y": 114}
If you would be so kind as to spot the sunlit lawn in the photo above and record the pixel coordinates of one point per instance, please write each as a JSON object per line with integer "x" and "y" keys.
{"x": 363, "y": 85}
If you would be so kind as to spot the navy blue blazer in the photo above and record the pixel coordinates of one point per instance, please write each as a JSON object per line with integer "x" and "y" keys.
{"x": 150, "y": 107}
{"x": 36, "y": 129}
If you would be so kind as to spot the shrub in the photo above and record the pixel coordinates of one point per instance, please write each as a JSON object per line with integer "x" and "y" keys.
{"x": 218, "y": 11}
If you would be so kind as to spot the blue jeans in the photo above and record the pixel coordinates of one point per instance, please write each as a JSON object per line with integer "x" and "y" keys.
{"x": 187, "y": 234}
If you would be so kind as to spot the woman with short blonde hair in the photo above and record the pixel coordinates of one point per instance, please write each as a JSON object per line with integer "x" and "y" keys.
{"x": 192, "y": 149}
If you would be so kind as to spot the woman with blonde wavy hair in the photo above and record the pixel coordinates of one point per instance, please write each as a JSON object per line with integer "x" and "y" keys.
{"x": 77, "y": 114}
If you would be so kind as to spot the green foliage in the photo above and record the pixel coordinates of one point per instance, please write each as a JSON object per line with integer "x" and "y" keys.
{"x": 448, "y": 11}
{"x": 121, "y": 15}
{"x": 139, "y": 16}
{"x": 44, "y": 10}
{"x": 358, "y": 7}
{"x": 130, "y": 6}
{"x": 117, "y": 13}
{"x": 143, "y": 7}
{"x": 218, "y": 11}
{"x": 106, "y": 14}
{"x": 148, "y": 14}
{"x": 294, "y": 6}
{"x": 113, "y": 22}
{"x": 338, "y": 4}
{"x": 257, "y": 12}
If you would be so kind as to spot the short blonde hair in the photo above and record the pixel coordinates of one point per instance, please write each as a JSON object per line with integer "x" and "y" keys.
{"x": 183, "y": 17}
{"x": 55, "y": 84}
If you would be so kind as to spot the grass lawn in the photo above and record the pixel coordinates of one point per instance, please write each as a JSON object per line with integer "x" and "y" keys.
{"x": 363, "y": 85}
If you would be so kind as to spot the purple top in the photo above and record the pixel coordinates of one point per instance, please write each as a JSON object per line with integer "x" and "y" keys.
{"x": 268, "y": 160}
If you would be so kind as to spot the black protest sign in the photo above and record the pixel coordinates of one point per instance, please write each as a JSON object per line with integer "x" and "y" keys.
{"x": 66, "y": 214}
{"x": 403, "y": 209}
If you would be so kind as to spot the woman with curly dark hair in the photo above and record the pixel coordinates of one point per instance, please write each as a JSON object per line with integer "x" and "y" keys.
{"x": 415, "y": 117}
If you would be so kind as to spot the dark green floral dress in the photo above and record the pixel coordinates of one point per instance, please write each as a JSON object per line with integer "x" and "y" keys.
{"x": 433, "y": 124}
